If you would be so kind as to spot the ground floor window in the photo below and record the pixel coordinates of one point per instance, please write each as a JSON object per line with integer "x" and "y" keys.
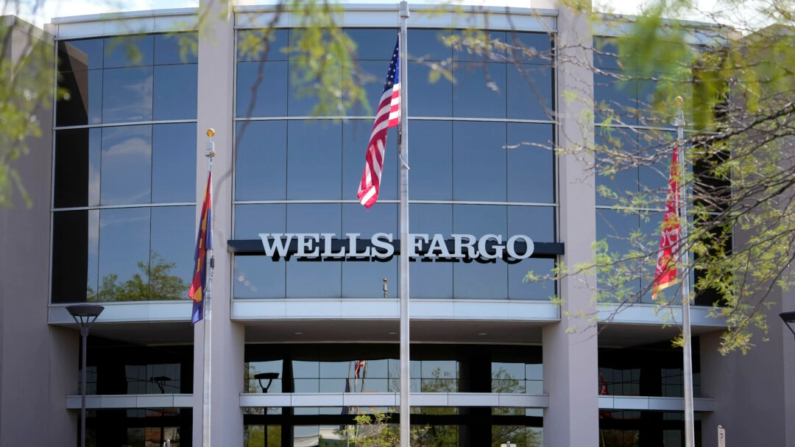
{"x": 641, "y": 428}
{"x": 139, "y": 427}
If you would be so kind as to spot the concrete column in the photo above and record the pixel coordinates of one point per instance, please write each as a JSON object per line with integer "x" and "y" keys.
{"x": 570, "y": 347}
{"x": 754, "y": 393}
{"x": 216, "y": 94}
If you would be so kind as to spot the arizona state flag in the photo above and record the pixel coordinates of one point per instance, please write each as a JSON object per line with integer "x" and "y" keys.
{"x": 665, "y": 273}
{"x": 204, "y": 242}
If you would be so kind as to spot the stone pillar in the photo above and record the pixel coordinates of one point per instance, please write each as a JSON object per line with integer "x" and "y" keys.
{"x": 216, "y": 94}
{"x": 570, "y": 347}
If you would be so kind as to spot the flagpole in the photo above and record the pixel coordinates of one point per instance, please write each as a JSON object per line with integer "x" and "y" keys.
{"x": 679, "y": 122}
{"x": 405, "y": 383}
{"x": 207, "y": 311}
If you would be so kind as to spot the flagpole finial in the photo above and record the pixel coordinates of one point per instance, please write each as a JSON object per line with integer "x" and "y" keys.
{"x": 210, "y": 153}
{"x": 404, "y": 9}
{"x": 679, "y": 120}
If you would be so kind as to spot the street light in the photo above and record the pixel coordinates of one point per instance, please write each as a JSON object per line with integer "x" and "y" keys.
{"x": 260, "y": 377}
{"x": 84, "y": 315}
{"x": 789, "y": 320}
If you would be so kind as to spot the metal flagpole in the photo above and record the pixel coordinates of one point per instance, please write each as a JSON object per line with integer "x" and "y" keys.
{"x": 679, "y": 122}
{"x": 207, "y": 312}
{"x": 405, "y": 383}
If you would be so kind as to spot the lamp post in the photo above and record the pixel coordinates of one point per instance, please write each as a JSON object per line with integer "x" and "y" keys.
{"x": 260, "y": 377}
{"x": 84, "y": 315}
{"x": 789, "y": 320}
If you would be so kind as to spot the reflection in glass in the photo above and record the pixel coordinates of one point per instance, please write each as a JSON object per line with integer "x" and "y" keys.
{"x": 124, "y": 254}
{"x": 479, "y": 91}
{"x": 251, "y": 44}
{"x": 431, "y": 279}
{"x": 531, "y": 166}
{"x": 261, "y": 165}
{"x": 84, "y": 54}
{"x": 171, "y": 263}
{"x": 77, "y": 167}
{"x": 374, "y": 43}
{"x": 311, "y": 278}
{"x": 174, "y": 163}
{"x": 82, "y": 103}
{"x": 624, "y": 181}
{"x": 176, "y": 48}
{"x": 431, "y": 151}
{"x": 129, "y": 51}
{"x": 474, "y": 279}
{"x": 428, "y": 44}
{"x": 75, "y": 252}
{"x": 314, "y": 160}
{"x": 479, "y": 161}
{"x": 429, "y": 98}
{"x": 615, "y": 98}
{"x": 126, "y": 165}
{"x": 271, "y": 94}
{"x": 364, "y": 279}
{"x": 258, "y": 276}
{"x": 530, "y": 90}
{"x": 616, "y": 227}
{"x": 175, "y": 92}
{"x": 127, "y": 95}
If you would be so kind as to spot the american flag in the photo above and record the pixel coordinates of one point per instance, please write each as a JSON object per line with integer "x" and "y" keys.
{"x": 388, "y": 115}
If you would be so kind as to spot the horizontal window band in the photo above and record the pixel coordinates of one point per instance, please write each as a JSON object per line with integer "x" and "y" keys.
{"x": 417, "y": 118}
{"x": 418, "y": 202}
{"x": 134, "y": 123}
{"x": 115, "y": 207}
{"x": 254, "y": 247}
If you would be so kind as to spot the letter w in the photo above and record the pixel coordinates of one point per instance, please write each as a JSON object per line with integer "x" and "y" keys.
{"x": 279, "y": 243}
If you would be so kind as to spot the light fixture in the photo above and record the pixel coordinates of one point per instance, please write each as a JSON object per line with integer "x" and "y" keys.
{"x": 789, "y": 320}
{"x": 262, "y": 376}
{"x": 299, "y": 333}
{"x": 483, "y": 333}
{"x": 84, "y": 315}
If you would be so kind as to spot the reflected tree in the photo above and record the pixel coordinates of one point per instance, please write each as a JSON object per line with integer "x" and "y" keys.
{"x": 154, "y": 281}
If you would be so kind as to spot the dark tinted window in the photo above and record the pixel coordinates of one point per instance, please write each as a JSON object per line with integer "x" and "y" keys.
{"x": 479, "y": 161}
{"x": 261, "y": 165}
{"x": 486, "y": 280}
{"x": 530, "y": 92}
{"x": 75, "y": 256}
{"x": 86, "y": 54}
{"x": 314, "y": 161}
{"x": 624, "y": 180}
{"x": 77, "y": 167}
{"x": 479, "y": 91}
{"x": 171, "y": 260}
{"x": 258, "y": 276}
{"x": 530, "y": 163}
{"x": 431, "y": 279}
{"x": 129, "y": 51}
{"x": 429, "y": 98}
{"x": 126, "y": 175}
{"x": 271, "y": 90}
{"x": 616, "y": 227}
{"x": 175, "y": 88}
{"x": 82, "y": 103}
{"x": 431, "y": 176}
{"x": 365, "y": 278}
{"x": 374, "y": 44}
{"x": 127, "y": 95}
{"x": 174, "y": 163}
{"x": 176, "y": 48}
{"x": 124, "y": 254}
{"x": 325, "y": 275}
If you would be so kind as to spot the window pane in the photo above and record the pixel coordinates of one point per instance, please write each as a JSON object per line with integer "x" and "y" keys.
{"x": 624, "y": 182}
{"x": 82, "y": 104}
{"x": 431, "y": 151}
{"x": 175, "y": 92}
{"x": 127, "y": 95}
{"x": 373, "y": 83}
{"x": 651, "y": 227}
{"x": 531, "y": 169}
{"x": 314, "y": 160}
{"x": 428, "y": 44}
{"x": 530, "y": 90}
{"x": 124, "y": 254}
{"x": 615, "y": 98}
{"x": 176, "y": 48}
{"x": 374, "y": 44}
{"x": 474, "y": 52}
{"x": 325, "y": 275}
{"x": 251, "y": 45}
{"x": 126, "y": 165}
{"x": 475, "y": 279}
{"x": 75, "y": 250}
{"x": 429, "y": 98}
{"x": 365, "y": 278}
{"x": 475, "y": 95}
{"x": 539, "y": 224}
{"x": 355, "y": 136}
{"x": 171, "y": 260}
{"x": 616, "y": 227}
{"x": 258, "y": 276}
{"x": 261, "y": 166}
{"x": 83, "y": 54}
{"x": 271, "y": 98}
{"x": 528, "y": 44}
{"x": 174, "y": 163}
{"x": 77, "y": 167}
{"x": 479, "y": 161}
{"x": 431, "y": 279}
{"x": 129, "y": 51}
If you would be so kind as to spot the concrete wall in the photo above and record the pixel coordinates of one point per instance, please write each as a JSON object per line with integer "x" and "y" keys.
{"x": 215, "y": 110}
{"x": 570, "y": 347}
{"x": 38, "y": 364}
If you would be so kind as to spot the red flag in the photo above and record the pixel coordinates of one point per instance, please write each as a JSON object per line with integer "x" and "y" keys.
{"x": 204, "y": 242}
{"x": 665, "y": 273}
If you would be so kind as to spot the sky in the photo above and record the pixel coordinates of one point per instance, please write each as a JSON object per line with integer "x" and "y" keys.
{"x": 31, "y": 11}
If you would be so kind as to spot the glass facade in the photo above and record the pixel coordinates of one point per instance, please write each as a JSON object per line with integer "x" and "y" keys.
{"x": 124, "y": 188}
{"x": 139, "y": 427}
{"x": 478, "y": 167}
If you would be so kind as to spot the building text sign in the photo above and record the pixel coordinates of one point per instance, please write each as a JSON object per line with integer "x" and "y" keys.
{"x": 383, "y": 246}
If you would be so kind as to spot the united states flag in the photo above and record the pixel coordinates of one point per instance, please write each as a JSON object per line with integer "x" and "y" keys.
{"x": 388, "y": 115}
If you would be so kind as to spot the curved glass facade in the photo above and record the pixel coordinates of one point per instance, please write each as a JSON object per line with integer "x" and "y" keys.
{"x": 478, "y": 162}
{"x": 124, "y": 169}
